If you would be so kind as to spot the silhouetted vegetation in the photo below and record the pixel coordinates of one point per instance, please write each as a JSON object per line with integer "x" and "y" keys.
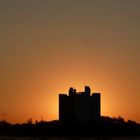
{"x": 105, "y": 126}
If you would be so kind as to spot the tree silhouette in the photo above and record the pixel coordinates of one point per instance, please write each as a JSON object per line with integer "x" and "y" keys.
{"x": 105, "y": 127}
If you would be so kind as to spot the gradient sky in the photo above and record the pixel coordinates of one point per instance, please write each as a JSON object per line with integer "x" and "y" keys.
{"x": 47, "y": 46}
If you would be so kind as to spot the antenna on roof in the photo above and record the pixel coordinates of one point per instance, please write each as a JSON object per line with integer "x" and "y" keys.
{"x": 84, "y": 83}
{"x": 3, "y": 116}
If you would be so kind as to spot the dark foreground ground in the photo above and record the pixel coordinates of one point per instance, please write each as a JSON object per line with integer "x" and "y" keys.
{"x": 69, "y": 138}
{"x": 104, "y": 128}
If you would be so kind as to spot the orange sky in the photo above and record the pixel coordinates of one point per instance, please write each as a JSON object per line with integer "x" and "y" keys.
{"x": 47, "y": 46}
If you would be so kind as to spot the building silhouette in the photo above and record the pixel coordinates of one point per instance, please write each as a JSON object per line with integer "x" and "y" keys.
{"x": 79, "y": 106}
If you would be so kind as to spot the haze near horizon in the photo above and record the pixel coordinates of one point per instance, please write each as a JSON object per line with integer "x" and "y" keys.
{"x": 47, "y": 46}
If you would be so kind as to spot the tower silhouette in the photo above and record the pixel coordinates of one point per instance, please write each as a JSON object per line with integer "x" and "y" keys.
{"x": 79, "y": 106}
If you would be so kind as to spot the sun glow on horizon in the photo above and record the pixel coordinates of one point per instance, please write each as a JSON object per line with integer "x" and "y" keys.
{"x": 46, "y": 47}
